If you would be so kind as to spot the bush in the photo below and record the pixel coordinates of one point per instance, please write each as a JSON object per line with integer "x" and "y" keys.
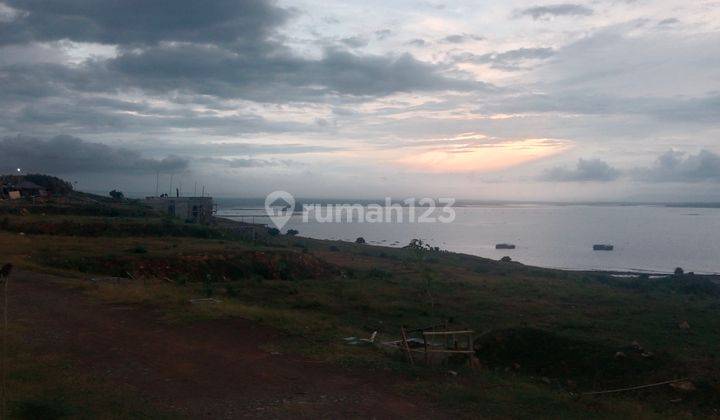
{"x": 292, "y": 232}
{"x": 117, "y": 195}
{"x": 505, "y": 259}
{"x": 377, "y": 273}
{"x": 139, "y": 250}
{"x": 231, "y": 291}
{"x": 273, "y": 231}
{"x": 360, "y": 240}
{"x": 679, "y": 271}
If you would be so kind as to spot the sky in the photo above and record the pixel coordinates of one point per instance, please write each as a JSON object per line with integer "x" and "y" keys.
{"x": 601, "y": 100}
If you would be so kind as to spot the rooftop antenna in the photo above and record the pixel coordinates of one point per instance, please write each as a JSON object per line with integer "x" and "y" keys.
{"x": 157, "y": 183}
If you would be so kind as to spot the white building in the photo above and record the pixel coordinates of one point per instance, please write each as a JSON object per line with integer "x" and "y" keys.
{"x": 195, "y": 209}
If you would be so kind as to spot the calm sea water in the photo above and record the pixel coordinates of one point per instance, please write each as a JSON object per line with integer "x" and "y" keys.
{"x": 646, "y": 238}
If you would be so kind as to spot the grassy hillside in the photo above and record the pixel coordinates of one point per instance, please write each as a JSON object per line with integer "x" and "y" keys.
{"x": 545, "y": 337}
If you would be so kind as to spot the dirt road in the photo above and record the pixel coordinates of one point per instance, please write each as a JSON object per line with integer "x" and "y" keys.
{"x": 212, "y": 369}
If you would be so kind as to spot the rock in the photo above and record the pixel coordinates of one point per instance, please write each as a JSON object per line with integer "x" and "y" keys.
{"x": 452, "y": 373}
{"x": 545, "y": 379}
{"x": 620, "y": 355}
{"x": 684, "y": 325}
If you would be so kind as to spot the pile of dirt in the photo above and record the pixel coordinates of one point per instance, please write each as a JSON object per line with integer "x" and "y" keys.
{"x": 277, "y": 265}
{"x": 546, "y": 354}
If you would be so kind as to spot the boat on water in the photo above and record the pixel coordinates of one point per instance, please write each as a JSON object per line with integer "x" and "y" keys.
{"x": 603, "y": 247}
{"x": 504, "y": 246}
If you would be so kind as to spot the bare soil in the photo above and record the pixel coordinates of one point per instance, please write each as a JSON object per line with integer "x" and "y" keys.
{"x": 213, "y": 369}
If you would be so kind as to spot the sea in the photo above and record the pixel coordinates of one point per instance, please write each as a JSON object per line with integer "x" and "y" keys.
{"x": 649, "y": 238}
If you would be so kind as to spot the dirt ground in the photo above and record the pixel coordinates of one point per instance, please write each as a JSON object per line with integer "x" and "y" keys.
{"x": 213, "y": 369}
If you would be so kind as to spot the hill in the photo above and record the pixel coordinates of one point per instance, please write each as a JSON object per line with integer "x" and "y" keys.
{"x": 544, "y": 339}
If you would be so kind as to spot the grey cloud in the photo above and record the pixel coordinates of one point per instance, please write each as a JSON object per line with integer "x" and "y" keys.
{"x": 355, "y": 41}
{"x": 669, "y": 21}
{"x": 140, "y": 21}
{"x": 460, "y": 38}
{"x": 71, "y": 155}
{"x": 674, "y": 166}
{"x": 417, "y": 42}
{"x": 248, "y": 162}
{"x": 507, "y": 60}
{"x": 705, "y": 109}
{"x": 563, "y": 9}
{"x": 383, "y": 34}
{"x": 585, "y": 171}
{"x": 210, "y": 70}
{"x": 223, "y": 48}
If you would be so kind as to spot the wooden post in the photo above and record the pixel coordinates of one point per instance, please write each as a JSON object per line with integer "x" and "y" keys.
{"x": 427, "y": 355}
{"x": 406, "y": 346}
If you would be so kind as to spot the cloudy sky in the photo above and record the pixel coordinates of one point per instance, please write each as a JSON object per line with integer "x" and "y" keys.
{"x": 522, "y": 100}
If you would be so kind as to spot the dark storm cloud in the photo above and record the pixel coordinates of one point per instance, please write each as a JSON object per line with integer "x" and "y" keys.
{"x": 585, "y": 171}
{"x": 564, "y": 9}
{"x": 215, "y": 71}
{"x": 507, "y": 60}
{"x": 675, "y": 166}
{"x": 141, "y": 21}
{"x": 71, "y": 155}
{"x": 222, "y": 48}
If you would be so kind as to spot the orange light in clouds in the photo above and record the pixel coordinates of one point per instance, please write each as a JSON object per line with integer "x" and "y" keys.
{"x": 483, "y": 157}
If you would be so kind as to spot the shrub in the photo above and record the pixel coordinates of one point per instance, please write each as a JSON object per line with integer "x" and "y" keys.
{"x": 292, "y": 232}
{"x": 273, "y": 231}
{"x": 139, "y": 250}
{"x": 231, "y": 291}
{"x": 360, "y": 240}
{"x": 117, "y": 195}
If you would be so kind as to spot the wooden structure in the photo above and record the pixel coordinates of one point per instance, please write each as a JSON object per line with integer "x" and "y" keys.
{"x": 436, "y": 340}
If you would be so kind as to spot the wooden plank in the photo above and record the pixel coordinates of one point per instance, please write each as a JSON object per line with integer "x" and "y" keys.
{"x": 447, "y": 332}
{"x": 406, "y": 346}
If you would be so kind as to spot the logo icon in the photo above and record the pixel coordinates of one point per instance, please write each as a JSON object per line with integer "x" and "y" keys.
{"x": 279, "y": 205}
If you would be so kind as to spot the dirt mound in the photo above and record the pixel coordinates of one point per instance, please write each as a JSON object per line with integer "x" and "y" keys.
{"x": 547, "y": 354}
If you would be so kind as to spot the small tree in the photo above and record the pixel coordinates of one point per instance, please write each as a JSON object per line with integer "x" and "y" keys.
{"x": 117, "y": 195}
{"x": 679, "y": 271}
{"x": 360, "y": 240}
{"x": 292, "y": 232}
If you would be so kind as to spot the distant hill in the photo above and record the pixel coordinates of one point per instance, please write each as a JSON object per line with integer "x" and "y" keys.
{"x": 52, "y": 184}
